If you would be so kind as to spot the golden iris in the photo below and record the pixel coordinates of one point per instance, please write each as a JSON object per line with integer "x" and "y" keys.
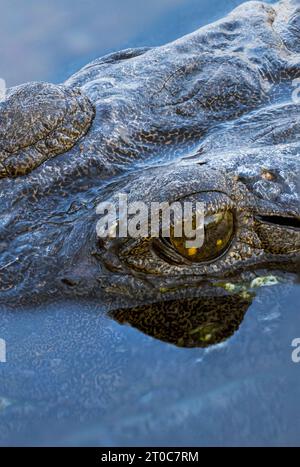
{"x": 218, "y": 233}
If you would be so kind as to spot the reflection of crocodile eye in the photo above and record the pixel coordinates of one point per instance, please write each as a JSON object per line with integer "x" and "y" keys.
{"x": 218, "y": 229}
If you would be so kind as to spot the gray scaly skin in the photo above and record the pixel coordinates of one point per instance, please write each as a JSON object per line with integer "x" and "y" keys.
{"x": 209, "y": 117}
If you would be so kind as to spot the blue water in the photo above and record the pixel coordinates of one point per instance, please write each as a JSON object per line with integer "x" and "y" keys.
{"x": 75, "y": 377}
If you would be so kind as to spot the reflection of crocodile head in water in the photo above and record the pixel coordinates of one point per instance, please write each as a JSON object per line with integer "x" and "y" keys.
{"x": 210, "y": 117}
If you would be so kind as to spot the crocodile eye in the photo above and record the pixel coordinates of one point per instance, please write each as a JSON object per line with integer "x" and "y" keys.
{"x": 218, "y": 233}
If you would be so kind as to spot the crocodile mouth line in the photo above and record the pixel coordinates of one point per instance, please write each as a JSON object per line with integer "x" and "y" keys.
{"x": 289, "y": 222}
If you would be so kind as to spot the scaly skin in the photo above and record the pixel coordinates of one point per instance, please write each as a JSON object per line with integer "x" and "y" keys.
{"x": 209, "y": 117}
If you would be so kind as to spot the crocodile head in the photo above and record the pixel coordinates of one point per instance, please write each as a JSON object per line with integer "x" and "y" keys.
{"x": 212, "y": 117}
